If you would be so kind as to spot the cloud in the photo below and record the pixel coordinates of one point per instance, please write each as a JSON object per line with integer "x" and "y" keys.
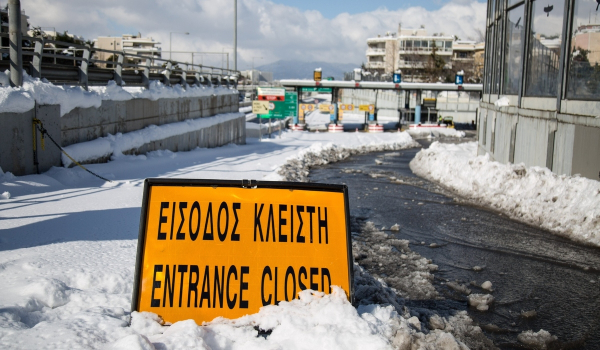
{"x": 267, "y": 30}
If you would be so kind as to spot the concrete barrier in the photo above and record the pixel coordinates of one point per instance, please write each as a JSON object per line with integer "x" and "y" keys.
{"x": 567, "y": 144}
{"x": 112, "y": 117}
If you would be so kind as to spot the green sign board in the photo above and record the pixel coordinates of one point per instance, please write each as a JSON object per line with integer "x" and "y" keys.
{"x": 315, "y": 89}
{"x": 283, "y": 109}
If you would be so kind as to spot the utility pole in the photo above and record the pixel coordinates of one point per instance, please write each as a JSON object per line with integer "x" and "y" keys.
{"x": 234, "y": 35}
{"x": 15, "y": 39}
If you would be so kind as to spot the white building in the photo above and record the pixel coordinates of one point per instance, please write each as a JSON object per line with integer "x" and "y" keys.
{"x": 410, "y": 50}
{"x": 131, "y": 44}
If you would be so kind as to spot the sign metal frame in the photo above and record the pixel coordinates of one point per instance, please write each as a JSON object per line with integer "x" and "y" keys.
{"x": 250, "y": 184}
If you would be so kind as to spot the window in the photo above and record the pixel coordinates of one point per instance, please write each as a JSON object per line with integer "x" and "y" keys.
{"x": 583, "y": 79}
{"x": 515, "y": 35}
{"x": 417, "y": 43}
{"x": 448, "y": 44}
{"x": 424, "y": 43}
{"x": 497, "y": 67}
{"x": 409, "y": 44}
{"x": 544, "y": 48}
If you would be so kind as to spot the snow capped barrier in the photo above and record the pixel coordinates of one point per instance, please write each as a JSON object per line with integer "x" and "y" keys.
{"x": 73, "y": 115}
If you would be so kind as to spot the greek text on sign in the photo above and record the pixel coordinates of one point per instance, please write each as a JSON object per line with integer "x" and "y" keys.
{"x": 366, "y": 108}
{"x": 210, "y": 248}
{"x": 260, "y": 107}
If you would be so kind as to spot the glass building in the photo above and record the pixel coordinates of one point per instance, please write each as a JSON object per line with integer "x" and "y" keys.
{"x": 541, "y": 101}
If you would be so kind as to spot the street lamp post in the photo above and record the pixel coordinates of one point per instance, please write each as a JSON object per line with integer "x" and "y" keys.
{"x": 170, "y": 39}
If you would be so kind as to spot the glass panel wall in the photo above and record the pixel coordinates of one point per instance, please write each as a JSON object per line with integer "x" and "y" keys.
{"x": 583, "y": 80}
{"x": 496, "y": 76}
{"x": 515, "y": 36}
{"x": 488, "y": 61}
{"x": 544, "y": 48}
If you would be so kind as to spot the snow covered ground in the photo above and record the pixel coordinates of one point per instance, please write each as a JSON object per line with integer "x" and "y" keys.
{"x": 566, "y": 205}
{"x": 68, "y": 245}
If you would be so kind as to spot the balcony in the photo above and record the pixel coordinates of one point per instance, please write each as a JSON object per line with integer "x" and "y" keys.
{"x": 375, "y": 52}
{"x": 375, "y": 65}
{"x": 424, "y": 51}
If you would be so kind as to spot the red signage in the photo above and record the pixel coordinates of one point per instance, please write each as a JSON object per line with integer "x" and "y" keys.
{"x": 271, "y": 98}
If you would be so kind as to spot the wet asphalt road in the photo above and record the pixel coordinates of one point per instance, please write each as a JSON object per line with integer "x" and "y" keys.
{"x": 530, "y": 269}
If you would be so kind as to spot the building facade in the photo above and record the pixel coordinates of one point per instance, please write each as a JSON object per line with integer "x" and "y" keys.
{"x": 128, "y": 43}
{"x": 541, "y": 101}
{"x": 422, "y": 57}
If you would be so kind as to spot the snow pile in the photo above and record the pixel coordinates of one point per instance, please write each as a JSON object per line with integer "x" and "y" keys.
{"x": 537, "y": 340}
{"x": 566, "y": 205}
{"x": 22, "y": 99}
{"x": 297, "y": 168}
{"x": 502, "y": 102}
{"x": 481, "y": 301}
{"x": 314, "y": 321}
{"x": 435, "y": 132}
{"x": 399, "y": 267}
{"x": 159, "y": 90}
{"x": 116, "y": 145}
{"x": 5, "y": 195}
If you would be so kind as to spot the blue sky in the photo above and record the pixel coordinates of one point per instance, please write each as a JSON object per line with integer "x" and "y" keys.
{"x": 331, "y": 8}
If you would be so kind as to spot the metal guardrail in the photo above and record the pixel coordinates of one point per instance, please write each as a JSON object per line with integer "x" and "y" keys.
{"x": 126, "y": 68}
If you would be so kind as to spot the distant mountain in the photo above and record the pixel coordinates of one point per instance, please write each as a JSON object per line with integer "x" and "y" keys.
{"x": 283, "y": 69}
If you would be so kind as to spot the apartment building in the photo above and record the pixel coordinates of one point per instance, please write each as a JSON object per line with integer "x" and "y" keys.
{"x": 381, "y": 54}
{"x": 410, "y": 51}
{"x": 4, "y": 21}
{"x": 468, "y": 56}
{"x": 587, "y": 37}
{"x": 128, "y": 43}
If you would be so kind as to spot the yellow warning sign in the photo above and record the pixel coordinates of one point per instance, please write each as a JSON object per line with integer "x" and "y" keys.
{"x": 346, "y": 107}
{"x": 366, "y": 108}
{"x": 211, "y": 248}
{"x": 305, "y": 108}
{"x": 260, "y": 107}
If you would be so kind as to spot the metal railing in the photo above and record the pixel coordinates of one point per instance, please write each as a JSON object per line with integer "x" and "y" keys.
{"x": 84, "y": 68}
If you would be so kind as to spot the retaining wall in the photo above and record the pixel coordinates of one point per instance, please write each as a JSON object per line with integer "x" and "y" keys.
{"x": 86, "y": 124}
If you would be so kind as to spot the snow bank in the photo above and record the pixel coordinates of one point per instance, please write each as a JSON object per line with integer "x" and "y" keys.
{"x": 436, "y": 132}
{"x": 22, "y": 99}
{"x": 297, "y": 168}
{"x": 117, "y": 144}
{"x": 566, "y": 205}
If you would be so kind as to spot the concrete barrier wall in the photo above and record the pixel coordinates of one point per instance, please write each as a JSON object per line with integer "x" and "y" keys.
{"x": 567, "y": 144}
{"x": 232, "y": 131}
{"x": 505, "y": 137}
{"x": 16, "y": 140}
{"x": 86, "y": 124}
